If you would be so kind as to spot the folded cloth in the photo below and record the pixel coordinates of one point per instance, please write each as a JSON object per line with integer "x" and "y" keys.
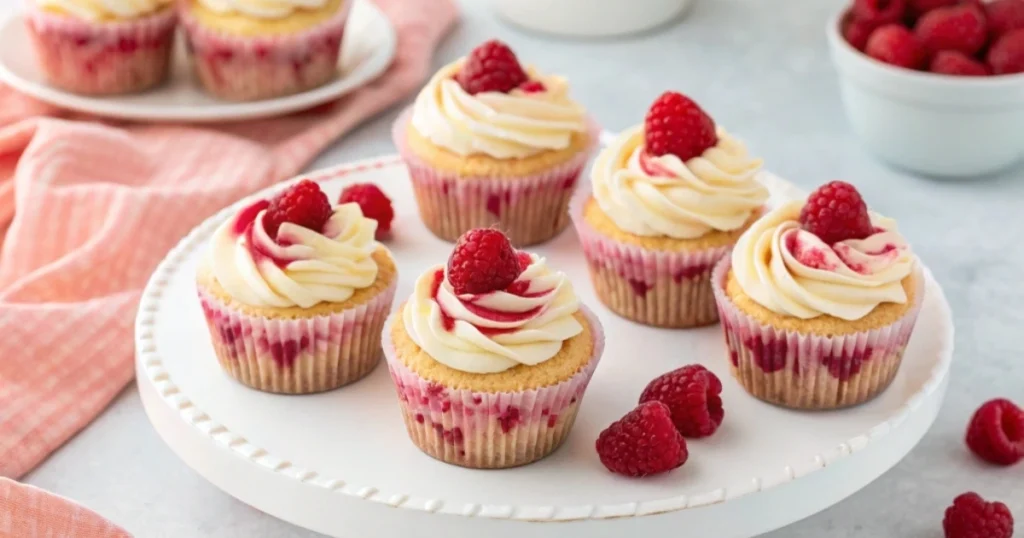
{"x": 90, "y": 209}
{"x": 29, "y": 512}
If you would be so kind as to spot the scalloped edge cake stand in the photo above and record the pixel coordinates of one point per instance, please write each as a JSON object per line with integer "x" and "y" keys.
{"x": 300, "y": 494}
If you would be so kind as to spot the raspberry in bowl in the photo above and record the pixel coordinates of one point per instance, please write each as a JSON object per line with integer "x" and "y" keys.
{"x": 818, "y": 301}
{"x": 668, "y": 199}
{"x": 490, "y": 142}
{"x": 491, "y": 355}
{"x": 295, "y": 292}
{"x": 935, "y": 87}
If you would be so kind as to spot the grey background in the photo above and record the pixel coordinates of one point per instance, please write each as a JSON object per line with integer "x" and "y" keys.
{"x": 762, "y": 69}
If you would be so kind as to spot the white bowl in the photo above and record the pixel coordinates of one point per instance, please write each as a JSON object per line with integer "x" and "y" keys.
{"x": 935, "y": 125}
{"x": 590, "y": 18}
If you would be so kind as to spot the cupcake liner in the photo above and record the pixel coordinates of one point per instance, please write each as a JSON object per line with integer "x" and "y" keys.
{"x": 105, "y": 58}
{"x": 298, "y": 356}
{"x": 528, "y": 209}
{"x": 809, "y": 371}
{"x": 489, "y": 430}
{"x": 653, "y": 287}
{"x": 248, "y": 68}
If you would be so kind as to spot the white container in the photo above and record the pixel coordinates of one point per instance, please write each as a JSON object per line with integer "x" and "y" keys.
{"x": 936, "y": 125}
{"x": 590, "y": 18}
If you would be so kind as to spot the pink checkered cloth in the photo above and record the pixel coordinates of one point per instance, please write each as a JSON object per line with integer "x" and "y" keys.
{"x": 90, "y": 208}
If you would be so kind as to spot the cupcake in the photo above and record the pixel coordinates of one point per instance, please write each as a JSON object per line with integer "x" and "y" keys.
{"x": 245, "y": 50}
{"x": 818, "y": 301}
{"x": 491, "y": 144}
{"x": 102, "y": 48}
{"x": 491, "y": 356}
{"x": 296, "y": 292}
{"x": 668, "y": 201}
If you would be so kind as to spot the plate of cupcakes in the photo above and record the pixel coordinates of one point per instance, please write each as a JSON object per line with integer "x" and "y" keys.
{"x": 482, "y": 334}
{"x": 194, "y": 60}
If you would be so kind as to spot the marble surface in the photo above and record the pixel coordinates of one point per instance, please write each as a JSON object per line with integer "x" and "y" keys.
{"x": 762, "y": 69}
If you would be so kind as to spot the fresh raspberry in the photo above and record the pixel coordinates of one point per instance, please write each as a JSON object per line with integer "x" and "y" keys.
{"x": 1004, "y": 16}
{"x": 996, "y": 432}
{"x": 879, "y": 12}
{"x": 916, "y": 8}
{"x": 835, "y": 212}
{"x": 856, "y": 32}
{"x": 483, "y": 261}
{"x": 373, "y": 202}
{"x": 1007, "y": 55}
{"x": 677, "y": 125}
{"x": 970, "y": 516}
{"x": 894, "y": 44}
{"x": 491, "y": 67}
{"x": 693, "y": 395}
{"x": 532, "y": 86}
{"x": 951, "y": 62}
{"x": 303, "y": 204}
{"x": 644, "y": 442}
{"x": 961, "y": 28}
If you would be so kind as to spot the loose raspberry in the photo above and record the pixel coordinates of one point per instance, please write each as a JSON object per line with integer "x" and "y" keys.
{"x": 856, "y": 32}
{"x": 644, "y": 442}
{"x": 996, "y": 432}
{"x": 916, "y": 8}
{"x": 677, "y": 125}
{"x": 1007, "y": 55}
{"x": 483, "y": 261}
{"x": 879, "y": 12}
{"x": 894, "y": 44}
{"x": 693, "y": 395}
{"x": 835, "y": 212}
{"x": 951, "y": 62}
{"x": 303, "y": 204}
{"x": 1004, "y": 16}
{"x": 970, "y": 516}
{"x": 491, "y": 67}
{"x": 532, "y": 86}
{"x": 961, "y": 28}
{"x": 373, "y": 202}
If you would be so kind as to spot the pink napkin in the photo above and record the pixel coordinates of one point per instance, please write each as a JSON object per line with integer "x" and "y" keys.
{"x": 91, "y": 208}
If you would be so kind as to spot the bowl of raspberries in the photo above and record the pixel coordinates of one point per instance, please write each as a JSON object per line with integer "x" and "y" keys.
{"x": 935, "y": 87}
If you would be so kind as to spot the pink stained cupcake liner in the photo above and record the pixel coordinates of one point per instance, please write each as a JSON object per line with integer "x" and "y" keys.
{"x": 653, "y": 287}
{"x": 809, "y": 371}
{"x": 102, "y": 58}
{"x": 528, "y": 209}
{"x": 248, "y": 68}
{"x": 489, "y": 430}
{"x": 298, "y": 356}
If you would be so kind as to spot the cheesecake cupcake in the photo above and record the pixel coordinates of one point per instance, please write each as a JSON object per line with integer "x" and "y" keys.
{"x": 102, "y": 48}
{"x": 491, "y": 355}
{"x": 818, "y": 301}
{"x": 295, "y": 293}
{"x": 489, "y": 143}
{"x": 245, "y": 50}
{"x": 668, "y": 199}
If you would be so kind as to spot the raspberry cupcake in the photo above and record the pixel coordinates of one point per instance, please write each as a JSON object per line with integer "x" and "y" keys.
{"x": 667, "y": 202}
{"x": 491, "y": 356}
{"x": 818, "y": 301}
{"x": 246, "y": 50}
{"x": 102, "y": 48}
{"x": 489, "y": 143}
{"x": 295, "y": 293}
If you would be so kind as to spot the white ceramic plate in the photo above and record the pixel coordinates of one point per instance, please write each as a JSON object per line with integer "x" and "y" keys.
{"x": 367, "y": 50}
{"x": 341, "y": 463}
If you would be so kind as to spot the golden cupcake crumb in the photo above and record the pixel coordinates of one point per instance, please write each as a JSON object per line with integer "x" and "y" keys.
{"x": 576, "y": 352}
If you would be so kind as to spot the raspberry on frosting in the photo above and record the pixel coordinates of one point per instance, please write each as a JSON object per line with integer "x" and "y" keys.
{"x": 374, "y": 204}
{"x": 676, "y": 125}
{"x": 302, "y": 204}
{"x": 483, "y": 261}
{"x": 836, "y": 212}
{"x": 491, "y": 67}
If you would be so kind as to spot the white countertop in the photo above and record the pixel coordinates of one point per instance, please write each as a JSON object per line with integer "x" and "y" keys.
{"x": 761, "y": 68}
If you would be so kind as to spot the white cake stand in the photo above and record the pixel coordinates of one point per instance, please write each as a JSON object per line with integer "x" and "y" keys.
{"x": 340, "y": 463}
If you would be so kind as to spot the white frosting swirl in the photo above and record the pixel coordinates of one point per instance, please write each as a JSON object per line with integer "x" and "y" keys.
{"x": 261, "y": 9}
{"x": 665, "y": 197}
{"x": 504, "y": 126}
{"x": 792, "y": 272}
{"x": 492, "y": 332}
{"x": 303, "y": 267}
{"x": 94, "y": 10}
